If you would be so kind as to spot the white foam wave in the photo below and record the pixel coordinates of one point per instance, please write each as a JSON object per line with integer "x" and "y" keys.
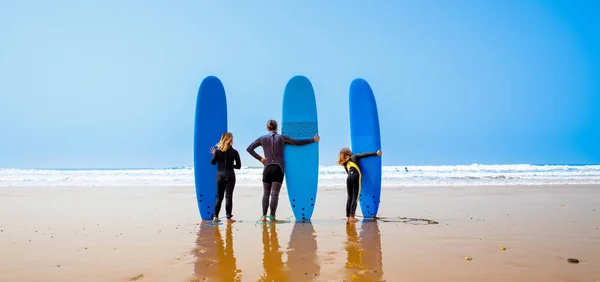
{"x": 470, "y": 175}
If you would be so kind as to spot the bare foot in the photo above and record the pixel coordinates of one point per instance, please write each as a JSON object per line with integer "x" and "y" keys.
{"x": 216, "y": 219}
{"x": 263, "y": 219}
{"x": 352, "y": 219}
{"x": 230, "y": 220}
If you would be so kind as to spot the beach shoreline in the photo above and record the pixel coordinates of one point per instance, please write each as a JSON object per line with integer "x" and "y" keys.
{"x": 119, "y": 233}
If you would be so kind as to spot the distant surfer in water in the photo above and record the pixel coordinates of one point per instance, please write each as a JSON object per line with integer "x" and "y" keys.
{"x": 273, "y": 161}
{"x": 224, "y": 156}
{"x": 350, "y": 164}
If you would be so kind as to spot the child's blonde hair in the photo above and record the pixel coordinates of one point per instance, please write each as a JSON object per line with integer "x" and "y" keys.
{"x": 225, "y": 143}
{"x": 344, "y": 156}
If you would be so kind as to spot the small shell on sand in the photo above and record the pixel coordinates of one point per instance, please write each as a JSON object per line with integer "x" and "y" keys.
{"x": 502, "y": 248}
{"x": 468, "y": 258}
{"x": 572, "y": 260}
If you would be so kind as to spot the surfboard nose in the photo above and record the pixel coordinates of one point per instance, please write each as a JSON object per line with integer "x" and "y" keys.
{"x": 360, "y": 84}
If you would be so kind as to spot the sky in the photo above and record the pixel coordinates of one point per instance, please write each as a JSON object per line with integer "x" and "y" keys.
{"x": 113, "y": 84}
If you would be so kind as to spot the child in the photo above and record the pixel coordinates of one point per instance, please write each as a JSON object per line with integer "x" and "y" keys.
{"x": 225, "y": 155}
{"x": 350, "y": 164}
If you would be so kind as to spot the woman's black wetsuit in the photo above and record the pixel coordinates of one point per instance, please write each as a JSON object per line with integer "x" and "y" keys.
{"x": 225, "y": 178}
{"x": 353, "y": 181}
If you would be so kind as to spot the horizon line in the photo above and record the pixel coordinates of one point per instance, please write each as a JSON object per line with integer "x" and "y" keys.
{"x": 247, "y": 167}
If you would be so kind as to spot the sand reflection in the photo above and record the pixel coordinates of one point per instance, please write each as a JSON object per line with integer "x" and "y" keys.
{"x": 302, "y": 264}
{"x": 215, "y": 257}
{"x": 364, "y": 258}
{"x": 272, "y": 256}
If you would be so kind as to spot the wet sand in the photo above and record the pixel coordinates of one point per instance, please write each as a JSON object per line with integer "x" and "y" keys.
{"x": 154, "y": 234}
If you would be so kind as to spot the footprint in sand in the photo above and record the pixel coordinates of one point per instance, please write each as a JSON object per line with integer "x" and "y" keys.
{"x": 330, "y": 260}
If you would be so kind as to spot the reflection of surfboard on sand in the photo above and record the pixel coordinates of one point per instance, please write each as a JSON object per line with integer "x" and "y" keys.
{"x": 370, "y": 239}
{"x": 364, "y": 257}
{"x": 206, "y": 252}
{"x": 214, "y": 256}
{"x": 302, "y": 256}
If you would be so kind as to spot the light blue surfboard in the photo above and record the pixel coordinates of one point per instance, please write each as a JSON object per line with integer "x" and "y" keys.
{"x": 209, "y": 124}
{"x": 365, "y": 137}
{"x": 299, "y": 121}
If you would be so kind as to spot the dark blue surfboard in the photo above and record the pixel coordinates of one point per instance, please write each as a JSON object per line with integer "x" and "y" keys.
{"x": 365, "y": 137}
{"x": 209, "y": 123}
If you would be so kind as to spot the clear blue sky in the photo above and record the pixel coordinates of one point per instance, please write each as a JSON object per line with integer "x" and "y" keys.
{"x": 110, "y": 83}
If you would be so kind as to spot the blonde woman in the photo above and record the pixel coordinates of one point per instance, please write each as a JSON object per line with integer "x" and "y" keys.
{"x": 350, "y": 163}
{"x": 227, "y": 159}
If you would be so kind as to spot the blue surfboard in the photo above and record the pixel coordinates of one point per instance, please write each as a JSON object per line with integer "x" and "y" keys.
{"x": 365, "y": 137}
{"x": 299, "y": 121}
{"x": 209, "y": 123}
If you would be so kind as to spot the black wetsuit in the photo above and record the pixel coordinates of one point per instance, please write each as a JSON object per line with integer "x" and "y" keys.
{"x": 273, "y": 172}
{"x": 225, "y": 178}
{"x": 353, "y": 181}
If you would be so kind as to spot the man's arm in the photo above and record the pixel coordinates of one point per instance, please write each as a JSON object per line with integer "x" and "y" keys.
{"x": 297, "y": 142}
{"x": 253, "y": 146}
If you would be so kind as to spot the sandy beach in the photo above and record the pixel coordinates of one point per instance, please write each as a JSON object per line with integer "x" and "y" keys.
{"x": 154, "y": 234}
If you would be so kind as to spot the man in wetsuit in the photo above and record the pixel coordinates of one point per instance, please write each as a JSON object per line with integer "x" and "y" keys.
{"x": 273, "y": 161}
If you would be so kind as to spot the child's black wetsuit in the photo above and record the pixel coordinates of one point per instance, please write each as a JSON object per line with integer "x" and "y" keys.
{"x": 225, "y": 178}
{"x": 353, "y": 181}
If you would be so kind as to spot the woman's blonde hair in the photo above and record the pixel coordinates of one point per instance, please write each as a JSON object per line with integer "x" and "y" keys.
{"x": 345, "y": 155}
{"x": 225, "y": 143}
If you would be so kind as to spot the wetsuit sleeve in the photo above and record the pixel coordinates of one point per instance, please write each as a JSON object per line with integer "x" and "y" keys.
{"x": 357, "y": 157}
{"x": 214, "y": 158}
{"x": 238, "y": 162}
{"x": 293, "y": 141}
{"x": 253, "y": 146}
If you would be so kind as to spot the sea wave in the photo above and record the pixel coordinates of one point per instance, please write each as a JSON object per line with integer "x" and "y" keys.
{"x": 458, "y": 175}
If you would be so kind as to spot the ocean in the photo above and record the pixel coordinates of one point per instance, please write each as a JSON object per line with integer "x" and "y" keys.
{"x": 330, "y": 176}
